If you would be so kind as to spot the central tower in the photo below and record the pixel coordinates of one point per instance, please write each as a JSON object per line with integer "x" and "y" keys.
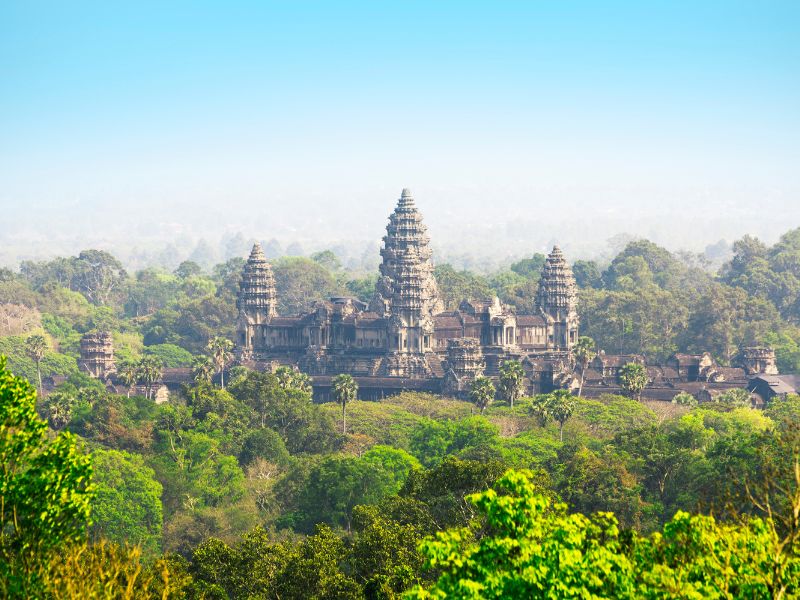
{"x": 406, "y": 291}
{"x": 557, "y": 299}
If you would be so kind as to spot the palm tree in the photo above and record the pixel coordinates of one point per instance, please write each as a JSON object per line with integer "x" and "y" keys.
{"x": 150, "y": 370}
{"x": 482, "y": 392}
{"x": 220, "y": 350}
{"x": 540, "y": 408}
{"x": 345, "y": 389}
{"x": 285, "y": 376}
{"x": 202, "y": 369}
{"x": 128, "y": 374}
{"x": 302, "y": 383}
{"x": 562, "y": 405}
{"x": 35, "y": 347}
{"x": 289, "y": 379}
{"x": 633, "y": 378}
{"x": 511, "y": 380}
{"x": 58, "y": 406}
{"x": 584, "y": 354}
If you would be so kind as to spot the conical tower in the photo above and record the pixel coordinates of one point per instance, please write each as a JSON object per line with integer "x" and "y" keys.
{"x": 557, "y": 298}
{"x": 257, "y": 302}
{"x": 257, "y": 288}
{"x": 406, "y": 290}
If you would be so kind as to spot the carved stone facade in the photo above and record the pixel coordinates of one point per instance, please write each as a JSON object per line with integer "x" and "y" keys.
{"x": 463, "y": 365}
{"x": 403, "y": 335}
{"x": 97, "y": 355}
{"x": 759, "y": 360}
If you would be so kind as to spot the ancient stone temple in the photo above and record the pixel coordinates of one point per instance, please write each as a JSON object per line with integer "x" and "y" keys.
{"x": 97, "y": 355}
{"x": 403, "y": 339}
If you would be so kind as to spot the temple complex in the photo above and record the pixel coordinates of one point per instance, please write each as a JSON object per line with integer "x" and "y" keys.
{"x": 403, "y": 339}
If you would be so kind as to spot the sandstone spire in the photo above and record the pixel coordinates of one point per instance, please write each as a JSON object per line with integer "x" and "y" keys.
{"x": 257, "y": 289}
{"x": 407, "y": 287}
{"x": 557, "y": 298}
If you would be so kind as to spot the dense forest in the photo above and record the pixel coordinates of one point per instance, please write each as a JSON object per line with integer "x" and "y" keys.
{"x": 251, "y": 490}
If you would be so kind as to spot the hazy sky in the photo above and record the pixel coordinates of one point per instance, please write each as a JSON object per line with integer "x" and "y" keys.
{"x": 516, "y": 124}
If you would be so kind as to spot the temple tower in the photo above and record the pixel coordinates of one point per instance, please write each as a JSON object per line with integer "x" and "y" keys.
{"x": 97, "y": 355}
{"x": 464, "y": 364}
{"x": 557, "y": 299}
{"x": 406, "y": 292}
{"x": 257, "y": 302}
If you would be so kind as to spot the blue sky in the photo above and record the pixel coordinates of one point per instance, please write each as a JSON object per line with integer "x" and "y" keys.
{"x": 282, "y": 119}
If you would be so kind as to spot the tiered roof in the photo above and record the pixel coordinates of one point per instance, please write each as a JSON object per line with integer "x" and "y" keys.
{"x": 557, "y": 289}
{"x": 257, "y": 288}
{"x": 407, "y": 285}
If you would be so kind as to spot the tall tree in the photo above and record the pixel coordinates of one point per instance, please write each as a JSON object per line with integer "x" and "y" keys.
{"x": 128, "y": 373}
{"x": 633, "y": 378}
{"x": 45, "y": 489}
{"x": 98, "y": 275}
{"x": 220, "y": 350}
{"x": 584, "y": 354}
{"x": 540, "y": 408}
{"x": 35, "y": 347}
{"x": 150, "y": 370}
{"x": 481, "y": 392}
{"x": 58, "y": 407}
{"x": 289, "y": 379}
{"x": 202, "y": 369}
{"x": 511, "y": 380}
{"x": 562, "y": 405}
{"x": 345, "y": 389}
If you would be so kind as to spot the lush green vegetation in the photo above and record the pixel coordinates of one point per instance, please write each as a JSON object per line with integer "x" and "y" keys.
{"x": 252, "y": 490}
{"x": 255, "y": 490}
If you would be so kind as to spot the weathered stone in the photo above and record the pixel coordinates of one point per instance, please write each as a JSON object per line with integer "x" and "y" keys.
{"x": 97, "y": 355}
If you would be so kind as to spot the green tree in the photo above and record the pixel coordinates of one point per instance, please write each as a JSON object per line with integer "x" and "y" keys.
{"x": 58, "y": 408}
{"x": 150, "y": 370}
{"x": 128, "y": 373}
{"x": 313, "y": 570}
{"x": 345, "y": 389}
{"x": 45, "y": 489}
{"x": 288, "y": 378}
{"x": 302, "y": 425}
{"x": 562, "y": 405}
{"x": 300, "y": 281}
{"x": 127, "y": 508}
{"x": 202, "y": 369}
{"x": 481, "y": 392}
{"x": 98, "y": 276}
{"x": 540, "y": 408}
{"x": 633, "y": 379}
{"x": 172, "y": 356}
{"x": 35, "y": 348}
{"x": 264, "y": 443}
{"x": 584, "y": 351}
{"x": 530, "y": 268}
{"x": 455, "y": 286}
{"x": 188, "y": 269}
{"x": 339, "y": 483}
{"x": 219, "y": 349}
{"x": 511, "y": 380}
{"x": 684, "y": 399}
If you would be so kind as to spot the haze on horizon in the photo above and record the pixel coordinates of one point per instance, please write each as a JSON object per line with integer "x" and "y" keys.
{"x": 134, "y": 127}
